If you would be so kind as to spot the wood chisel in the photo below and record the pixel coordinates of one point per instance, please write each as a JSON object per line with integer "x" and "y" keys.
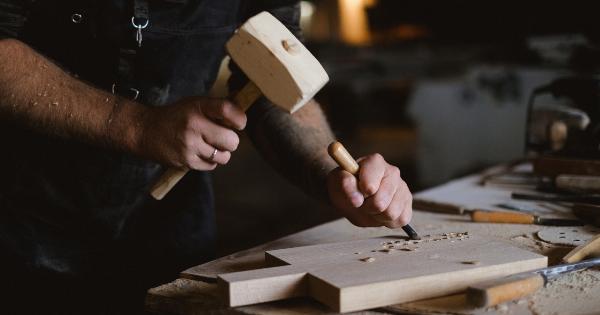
{"x": 338, "y": 152}
{"x": 490, "y": 216}
{"x": 496, "y": 291}
{"x": 589, "y": 198}
{"x": 519, "y": 218}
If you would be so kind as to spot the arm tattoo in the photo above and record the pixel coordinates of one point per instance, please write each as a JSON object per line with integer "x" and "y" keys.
{"x": 296, "y": 145}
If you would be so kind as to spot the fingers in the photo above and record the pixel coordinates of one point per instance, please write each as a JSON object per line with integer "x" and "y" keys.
{"x": 346, "y": 192}
{"x": 208, "y": 154}
{"x": 392, "y": 204}
{"x": 381, "y": 200}
{"x": 224, "y": 112}
{"x": 399, "y": 213}
{"x": 377, "y": 197}
{"x": 371, "y": 172}
{"x": 219, "y": 137}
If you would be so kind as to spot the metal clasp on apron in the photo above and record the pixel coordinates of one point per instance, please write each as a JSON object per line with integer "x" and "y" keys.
{"x": 140, "y": 19}
{"x": 139, "y": 27}
{"x": 136, "y": 92}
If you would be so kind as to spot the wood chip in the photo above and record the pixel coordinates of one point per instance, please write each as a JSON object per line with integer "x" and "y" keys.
{"x": 408, "y": 249}
{"x": 368, "y": 259}
{"x": 470, "y": 262}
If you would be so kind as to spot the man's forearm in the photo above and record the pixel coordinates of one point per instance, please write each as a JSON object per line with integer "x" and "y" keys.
{"x": 296, "y": 145}
{"x": 37, "y": 94}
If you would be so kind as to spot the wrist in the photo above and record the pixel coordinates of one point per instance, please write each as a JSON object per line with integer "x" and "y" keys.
{"x": 125, "y": 125}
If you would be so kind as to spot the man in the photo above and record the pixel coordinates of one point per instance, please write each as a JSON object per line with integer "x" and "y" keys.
{"x": 94, "y": 97}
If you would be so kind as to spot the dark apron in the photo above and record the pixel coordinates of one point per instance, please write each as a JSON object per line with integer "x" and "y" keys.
{"x": 75, "y": 217}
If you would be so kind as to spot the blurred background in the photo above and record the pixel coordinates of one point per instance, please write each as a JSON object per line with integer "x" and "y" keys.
{"x": 440, "y": 88}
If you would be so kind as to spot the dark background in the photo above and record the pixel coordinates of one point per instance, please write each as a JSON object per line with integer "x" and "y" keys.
{"x": 440, "y": 88}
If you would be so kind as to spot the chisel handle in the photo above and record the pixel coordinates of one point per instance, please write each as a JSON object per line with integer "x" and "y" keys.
{"x": 243, "y": 99}
{"x": 502, "y": 217}
{"x": 493, "y": 292}
{"x": 338, "y": 152}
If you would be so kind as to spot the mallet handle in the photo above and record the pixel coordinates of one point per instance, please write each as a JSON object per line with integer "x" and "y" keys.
{"x": 244, "y": 99}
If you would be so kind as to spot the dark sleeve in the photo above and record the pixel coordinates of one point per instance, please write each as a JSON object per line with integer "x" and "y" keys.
{"x": 288, "y": 12}
{"x": 12, "y": 18}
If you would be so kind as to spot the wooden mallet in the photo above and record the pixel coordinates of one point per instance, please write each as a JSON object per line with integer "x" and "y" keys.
{"x": 278, "y": 67}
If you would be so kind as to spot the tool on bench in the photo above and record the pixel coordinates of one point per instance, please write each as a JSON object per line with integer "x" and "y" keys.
{"x": 437, "y": 206}
{"x": 587, "y": 212}
{"x": 578, "y": 183}
{"x": 278, "y": 66}
{"x": 517, "y": 207}
{"x": 517, "y": 286}
{"x": 586, "y": 198}
{"x": 519, "y": 218}
{"x": 490, "y": 293}
{"x": 491, "y": 216}
{"x": 339, "y": 153}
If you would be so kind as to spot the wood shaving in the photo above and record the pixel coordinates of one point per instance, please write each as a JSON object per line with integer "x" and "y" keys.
{"x": 470, "y": 262}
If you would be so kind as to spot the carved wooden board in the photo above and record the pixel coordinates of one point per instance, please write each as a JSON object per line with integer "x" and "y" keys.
{"x": 375, "y": 272}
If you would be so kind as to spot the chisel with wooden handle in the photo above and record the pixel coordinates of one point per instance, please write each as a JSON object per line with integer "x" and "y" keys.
{"x": 338, "y": 152}
{"x": 514, "y": 287}
{"x": 519, "y": 218}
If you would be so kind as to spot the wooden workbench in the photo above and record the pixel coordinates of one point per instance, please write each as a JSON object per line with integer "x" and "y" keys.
{"x": 575, "y": 293}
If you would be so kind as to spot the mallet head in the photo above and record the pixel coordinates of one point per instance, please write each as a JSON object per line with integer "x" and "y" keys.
{"x": 277, "y": 62}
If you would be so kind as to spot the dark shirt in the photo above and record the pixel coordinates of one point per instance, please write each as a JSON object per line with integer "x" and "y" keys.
{"x": 71, "y": 211}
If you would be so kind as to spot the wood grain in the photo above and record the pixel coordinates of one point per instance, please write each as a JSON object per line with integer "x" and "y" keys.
{"x": 505, "y": 289}
{"x": 591, "y": 248}
{"x": 277, "y": 62}
{"x": 401, "y": 271}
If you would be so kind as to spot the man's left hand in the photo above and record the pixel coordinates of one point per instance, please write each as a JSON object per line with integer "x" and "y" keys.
{"x": 376, "y": 196}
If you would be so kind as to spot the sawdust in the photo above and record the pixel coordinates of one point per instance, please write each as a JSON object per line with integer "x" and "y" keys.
{"x": 571, "y": 293}
{"x": 530, "y": 242}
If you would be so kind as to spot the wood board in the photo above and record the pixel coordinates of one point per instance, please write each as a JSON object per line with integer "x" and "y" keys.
{"x": 341, "y": 275}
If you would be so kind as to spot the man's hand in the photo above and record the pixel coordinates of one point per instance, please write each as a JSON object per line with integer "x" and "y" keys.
{"x": 376, "y": 196}
{"x": 186, "y": 134}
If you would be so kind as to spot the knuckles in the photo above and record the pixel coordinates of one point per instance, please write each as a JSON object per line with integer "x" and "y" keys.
{"x": 380, "y": 204}
{"x": 375, "y": 157}
{"x": 368, "y": 188}
{"x": 348, "y": 183}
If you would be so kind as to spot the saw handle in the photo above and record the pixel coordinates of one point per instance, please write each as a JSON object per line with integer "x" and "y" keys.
{"x": 243, "y": 99}
{"x": 501, "y": 290}
{"x": 502, "y": 217}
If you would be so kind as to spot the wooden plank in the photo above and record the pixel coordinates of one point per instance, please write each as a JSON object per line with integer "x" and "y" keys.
{"x": 401, "y": 270}
{"x": 264, "y": 285}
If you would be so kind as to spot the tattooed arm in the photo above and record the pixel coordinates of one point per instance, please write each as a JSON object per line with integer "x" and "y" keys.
{"x": 296, "y": 144}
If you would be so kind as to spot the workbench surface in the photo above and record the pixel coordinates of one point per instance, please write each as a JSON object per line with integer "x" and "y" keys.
{"x": 575, "y": 293}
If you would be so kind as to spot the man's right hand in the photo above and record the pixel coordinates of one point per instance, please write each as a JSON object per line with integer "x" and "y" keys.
{"x": 187, "y": 133}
